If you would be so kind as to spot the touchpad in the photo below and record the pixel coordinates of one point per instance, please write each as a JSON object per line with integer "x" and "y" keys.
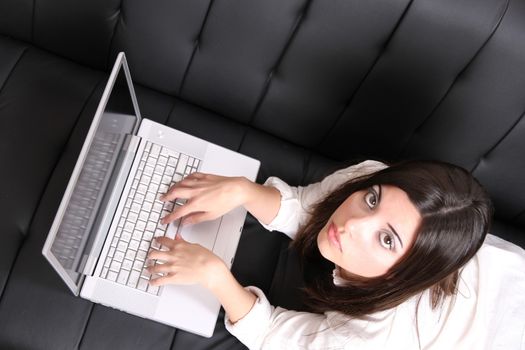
{"x": 203, "y": 233}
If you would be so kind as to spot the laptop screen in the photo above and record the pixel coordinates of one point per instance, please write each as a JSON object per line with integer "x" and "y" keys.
{"x": 69, "y": 241}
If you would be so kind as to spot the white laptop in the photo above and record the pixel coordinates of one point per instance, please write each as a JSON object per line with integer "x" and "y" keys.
{"x": 111, "y": 210}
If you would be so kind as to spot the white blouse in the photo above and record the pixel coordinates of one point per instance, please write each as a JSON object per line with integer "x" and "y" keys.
{"x": 488, "y": 311}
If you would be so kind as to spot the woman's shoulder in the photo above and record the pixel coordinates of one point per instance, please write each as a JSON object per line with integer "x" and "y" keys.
{"x": 499, "y": 264}
{"x": 343, "y": 175}
{"x": 363, "y": 168}
{"x": 501, "y": 252}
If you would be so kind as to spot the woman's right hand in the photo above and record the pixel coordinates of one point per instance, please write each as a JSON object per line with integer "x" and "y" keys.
{"x": 207, "y": 197}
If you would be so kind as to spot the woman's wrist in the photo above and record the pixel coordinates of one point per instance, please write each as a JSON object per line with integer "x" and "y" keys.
{"x": 244, "y": 189}
{"x": 217, "y": 273}
{"x": 235, "y": 299}
{"x": 263, "y": 202}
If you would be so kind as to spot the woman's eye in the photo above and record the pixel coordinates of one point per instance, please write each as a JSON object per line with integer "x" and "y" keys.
{"x": 386, "y": 240}
{"x": 371, "y": 198}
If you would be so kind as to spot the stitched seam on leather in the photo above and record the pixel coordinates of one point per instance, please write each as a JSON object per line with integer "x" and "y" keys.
{"x": 372, "y": 66}
{"x": 267, "y": 83}
{"x": 84, "y": 328}
{"x": 308, "y": 162}
{"x": 487, "y": 153}
{"x": 484, "y": 156}
{"x": 195, "y": 47}
{"x": 166, "y": 122}
{"x": 120, "y": 17}
{"x": 13, "y": 69}
{"x": 175, "y": 331}
{"x": 3, "y": 288}
{"x": 473, "y": 58}
{"x": 39, "y": 202}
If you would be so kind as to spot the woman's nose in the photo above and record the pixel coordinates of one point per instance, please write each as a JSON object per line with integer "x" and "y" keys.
{"x": 355, "y": 226}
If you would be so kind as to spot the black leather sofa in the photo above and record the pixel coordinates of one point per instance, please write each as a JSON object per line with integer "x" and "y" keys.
{"x": 304, "y": 86}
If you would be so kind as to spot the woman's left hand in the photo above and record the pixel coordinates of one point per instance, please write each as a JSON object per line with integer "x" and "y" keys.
{"x": 185, "y": 263}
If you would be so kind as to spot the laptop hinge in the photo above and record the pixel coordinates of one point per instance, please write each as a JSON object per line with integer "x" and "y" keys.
{"x": 109, "y": 203}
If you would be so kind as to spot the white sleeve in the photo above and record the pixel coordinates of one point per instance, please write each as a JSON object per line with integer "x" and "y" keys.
{"x": 296, "y": 202}
{"x": 269, "y": 327}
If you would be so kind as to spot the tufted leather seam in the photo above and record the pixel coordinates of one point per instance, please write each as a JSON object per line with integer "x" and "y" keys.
{"x": 175, "y": 331}
{"x": 307, "y": 164}
{"x": 473, "y": 58}
{"x": 267, "y": 83}
{"x": 120, "y": 17}
{"x": 88, "y": 318}
{"x": 491, "y": 149}
{"x": 372, "y": 66}
{"x": 24, "y": 234}
{"x": 266, "y": 86}
{"x": 12, "y": 69}
{"x": 195, "y": 47}
{"x": 171, "y": 111}
{"x": 2, "y": 289}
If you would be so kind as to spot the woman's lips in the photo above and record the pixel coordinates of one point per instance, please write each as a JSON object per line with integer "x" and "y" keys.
{"x": 333, "y": 236}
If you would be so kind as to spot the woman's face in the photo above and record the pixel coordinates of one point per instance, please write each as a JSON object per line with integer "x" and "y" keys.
{"x": 370, "y": 231}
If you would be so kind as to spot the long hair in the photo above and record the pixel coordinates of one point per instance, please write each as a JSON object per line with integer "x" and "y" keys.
{"x": 456, "y": 215}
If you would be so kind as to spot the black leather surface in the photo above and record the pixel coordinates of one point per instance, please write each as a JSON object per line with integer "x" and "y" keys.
{"x": 304, "y": 86}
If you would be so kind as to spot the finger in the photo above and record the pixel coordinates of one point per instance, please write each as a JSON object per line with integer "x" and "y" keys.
{"x": 179, "y": 190}
{"x": 195, "y": 218}
{"x": 197, "y": 176}
{"x": 161, "y": 281}
{"x": 177, "y": 213}
{"x": 165, "y": 241}
{"x": 160, "y": 268}
{"x": 159, "y": 255}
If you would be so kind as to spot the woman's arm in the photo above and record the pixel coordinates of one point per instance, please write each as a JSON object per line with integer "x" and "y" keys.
{"x": 249, "y": 315}
{"x": 186, "y": 263}
{"x": 263, "y": 202}
{"x": 211, "y": 196}
{"x": 235, "y": 300}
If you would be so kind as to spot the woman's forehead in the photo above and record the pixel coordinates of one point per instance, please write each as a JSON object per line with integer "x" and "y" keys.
{"x": 398, "y": 210}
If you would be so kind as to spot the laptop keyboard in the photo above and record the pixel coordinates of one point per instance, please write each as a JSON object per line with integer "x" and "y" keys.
{"x": 158, "y": 170}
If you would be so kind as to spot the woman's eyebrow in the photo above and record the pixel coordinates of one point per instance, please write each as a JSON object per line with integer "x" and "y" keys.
{"x": 390, "y": 226}
{"x": 397, "y": 235}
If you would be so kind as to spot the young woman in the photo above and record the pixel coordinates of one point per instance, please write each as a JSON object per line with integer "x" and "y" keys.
{"x": 391, "y": 255}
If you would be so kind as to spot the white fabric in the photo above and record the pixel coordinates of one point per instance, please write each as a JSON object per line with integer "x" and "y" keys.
{"x": 487, "y": 313}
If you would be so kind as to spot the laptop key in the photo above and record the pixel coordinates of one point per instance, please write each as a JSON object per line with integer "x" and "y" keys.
{"x": 123, "y": 277}
{"x": 112, "y": 276}
{"x": 115, "y": 266}
{"x": 143, "y": 284}
{"x": 153, "y": 289}
{"x": 133, "y": 278}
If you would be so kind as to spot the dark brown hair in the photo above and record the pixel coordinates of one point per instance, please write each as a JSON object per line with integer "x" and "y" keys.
{"x": 456, "y": 215}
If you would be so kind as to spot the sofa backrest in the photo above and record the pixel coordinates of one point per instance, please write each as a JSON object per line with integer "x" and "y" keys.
{"x": 343, "y": 79}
